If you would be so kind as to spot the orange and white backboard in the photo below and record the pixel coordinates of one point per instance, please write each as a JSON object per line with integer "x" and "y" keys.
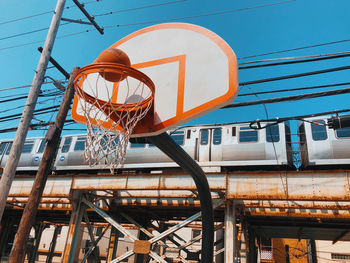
{"x": 193, "y": 69}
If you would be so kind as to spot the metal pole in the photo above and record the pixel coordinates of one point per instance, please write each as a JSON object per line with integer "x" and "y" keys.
{"x": 53, "y": 137}
{"x": 27, "y": 115}
{"x": 53, "y": 244}
{"x": 313, "y": 250}
{"x": 34, "y": 254}
{"x": 176, "y": 153}
{"x": 230, "y": 231}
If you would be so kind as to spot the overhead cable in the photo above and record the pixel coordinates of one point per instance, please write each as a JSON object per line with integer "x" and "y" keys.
{"x": 295, "y": 89}
{"x": 26, "y": 96}
{"x": 200, "y": 15}
{"x": 27, "y": 86}
{"x": 43, "y": 13}
{"x": 292, "y": 58}
{"x": 30, "y": 32}
{"x": 298, "y": 48}
{"x": 295, "y": 75}
{"x": 289, "y": 98}
{"x": 295, "y": 61}
{"x": 138, "y": 8}
{"x": 38, "y": 111}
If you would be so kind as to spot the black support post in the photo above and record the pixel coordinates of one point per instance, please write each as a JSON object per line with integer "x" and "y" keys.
{"x": 165, "y": 143}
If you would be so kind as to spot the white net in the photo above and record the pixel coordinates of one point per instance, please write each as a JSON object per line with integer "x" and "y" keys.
{"x": 110, "y": 119}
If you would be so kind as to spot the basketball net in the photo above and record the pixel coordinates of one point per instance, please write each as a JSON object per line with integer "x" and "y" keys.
{"x": 109, "y": 124}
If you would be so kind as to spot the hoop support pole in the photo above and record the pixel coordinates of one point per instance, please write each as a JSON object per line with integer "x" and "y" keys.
{"x": 166, "y": 144}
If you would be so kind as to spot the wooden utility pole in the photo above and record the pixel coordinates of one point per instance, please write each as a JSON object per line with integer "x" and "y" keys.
{"x": 27, "y": 115}
{"x": 53, "y": 135}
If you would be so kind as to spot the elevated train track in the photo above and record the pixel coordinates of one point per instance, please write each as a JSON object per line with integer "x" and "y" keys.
{"x": 311, "y": 204}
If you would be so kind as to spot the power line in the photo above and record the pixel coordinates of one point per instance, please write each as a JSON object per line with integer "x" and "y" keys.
{"x": 290, "y": 58}
{"x": 298, "y": 48}
{"x": 138, "y": 8}
{"x": 43, "y": 13}
{"x": 296, "y": 89}
{"x": 30, "y": 32}
{"x": 201, "y": 15}
{"x": 41, "y": 41}
{"x": 27, "y": 86}
{"x": 295, "y": 75}
{"x": 39, "y": 111}
{"x": 289, "y": 98}
{"x": 296, "y": 61}
{"x": 109, "y": 13}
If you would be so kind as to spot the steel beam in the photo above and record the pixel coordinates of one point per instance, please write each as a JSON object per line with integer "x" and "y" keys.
{"x": 113, "y": 244}
{"x": 94, "y": 244}
{"x": 301, "y": 186}
{"x": 53, "y": 244}
{"x": 110, "y": 220}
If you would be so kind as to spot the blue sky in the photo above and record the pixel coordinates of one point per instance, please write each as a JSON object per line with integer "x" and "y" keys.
{"x": 250, "y": 29}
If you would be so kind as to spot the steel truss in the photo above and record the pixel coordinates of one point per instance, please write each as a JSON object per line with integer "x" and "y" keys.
{"x": 150, "y": 246}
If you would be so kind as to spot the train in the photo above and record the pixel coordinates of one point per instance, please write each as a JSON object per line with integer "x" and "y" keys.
{"x": 216, "y": 148}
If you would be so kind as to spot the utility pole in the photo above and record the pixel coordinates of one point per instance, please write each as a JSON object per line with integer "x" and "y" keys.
{"x": 53, "y": 136}
{"x": 27, "y": 115}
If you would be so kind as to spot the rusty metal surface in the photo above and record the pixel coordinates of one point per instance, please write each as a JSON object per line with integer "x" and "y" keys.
{"x": 301, "y": 213}
{"x": 335, "y": 205}
{"x": 275, "y": 193}
{"x": 55, "y": 187}
{"x": 274, "y": 185}
{"x": 291, "y": 185}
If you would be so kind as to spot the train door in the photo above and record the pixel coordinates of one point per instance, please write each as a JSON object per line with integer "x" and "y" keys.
{"x": 26, "y": 156}
{"x": 76, "y": 153}
{"x": 209, "y": 145}
{"x": 38, "y": 154}
{"x": 62, "y": 156}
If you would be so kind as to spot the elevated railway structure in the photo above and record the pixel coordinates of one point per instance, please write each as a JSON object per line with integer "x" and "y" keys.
{"x": 311, "y": 205}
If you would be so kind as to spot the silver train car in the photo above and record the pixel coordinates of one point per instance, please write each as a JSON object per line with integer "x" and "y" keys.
{"x": 215, "y": 148}
{"x": 321, "y": 146}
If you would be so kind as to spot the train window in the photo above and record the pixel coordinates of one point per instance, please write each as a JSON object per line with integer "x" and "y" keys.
{"x": 233, "y": 131}
{"x": 246, "y": 134}
{"x": 272, "y": 134}
{"x": 343, "y": 132}
{"x": 8, "y": 148}
{"x": 80, "y": 144}
{"x": 137, "y": 145}
{"x": 188, "y": 134}
{"x": 2, "y": 147}
{"x": 105, "y": 141}
{"x": 217, "y": 136}
{"x": 66, "y": 144}
{"x": 204, "y": 135}
{"x": 42, "y": 146}
{"x": 319, "y": 132}
{"x": 28, "y": 146}
{"x": 178, "y": 137}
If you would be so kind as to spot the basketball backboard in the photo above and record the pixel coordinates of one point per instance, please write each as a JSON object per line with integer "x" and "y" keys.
{"x": 193, "y": 69}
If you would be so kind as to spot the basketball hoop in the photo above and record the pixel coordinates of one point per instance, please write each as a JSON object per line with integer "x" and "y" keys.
{"x": 113, "y": 110}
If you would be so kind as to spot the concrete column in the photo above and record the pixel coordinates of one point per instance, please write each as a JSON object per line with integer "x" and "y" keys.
{"x": 71, "y": 249}
{"x": 230, "y": 231}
